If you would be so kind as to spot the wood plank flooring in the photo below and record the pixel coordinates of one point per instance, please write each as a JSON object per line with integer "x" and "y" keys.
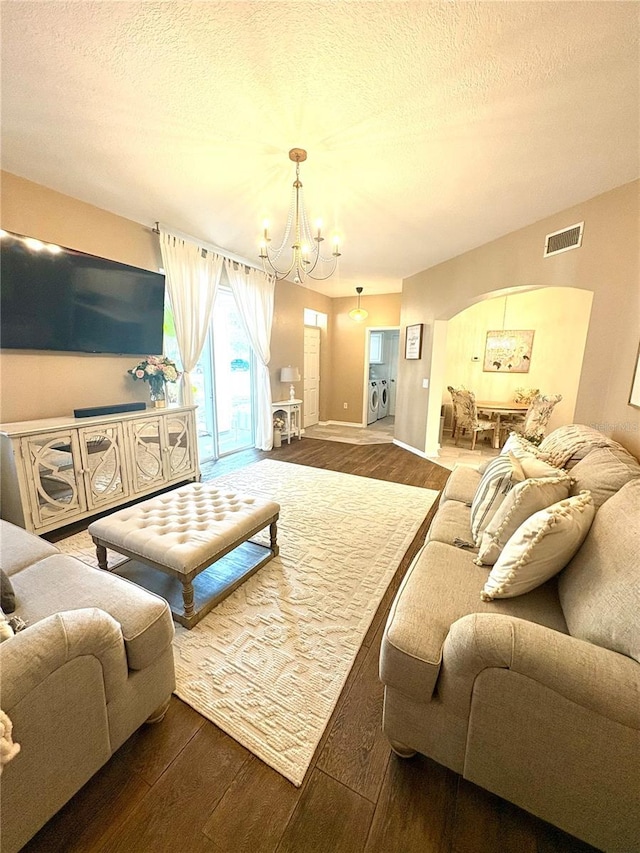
{"x": 184, "y": 785}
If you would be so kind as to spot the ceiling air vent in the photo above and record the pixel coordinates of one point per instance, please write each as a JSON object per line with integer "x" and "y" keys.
{"x": 562, "y": 241}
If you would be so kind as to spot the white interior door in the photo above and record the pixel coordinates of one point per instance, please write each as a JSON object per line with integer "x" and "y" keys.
{"x": 311, "y": 376}
{"x": 394, "y": 338}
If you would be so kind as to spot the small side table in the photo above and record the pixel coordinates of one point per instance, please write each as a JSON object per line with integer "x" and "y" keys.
{"x": 291, "y": 411}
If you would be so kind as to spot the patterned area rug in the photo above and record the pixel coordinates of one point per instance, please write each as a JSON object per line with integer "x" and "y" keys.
{"x": 268, "y": 663}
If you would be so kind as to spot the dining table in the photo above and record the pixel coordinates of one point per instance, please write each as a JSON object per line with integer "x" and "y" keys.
{"x": 500, "y": 408}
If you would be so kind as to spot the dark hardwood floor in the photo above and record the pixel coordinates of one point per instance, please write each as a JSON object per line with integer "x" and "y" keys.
{"x": 184, "y": 785}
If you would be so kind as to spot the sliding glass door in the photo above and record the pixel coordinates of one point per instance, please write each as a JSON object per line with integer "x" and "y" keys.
{"x": 223, "y": 383}
{"x": 233, "y": 371}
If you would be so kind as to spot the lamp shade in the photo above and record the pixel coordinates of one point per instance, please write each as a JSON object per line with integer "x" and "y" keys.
{"x": 289, "y": 374}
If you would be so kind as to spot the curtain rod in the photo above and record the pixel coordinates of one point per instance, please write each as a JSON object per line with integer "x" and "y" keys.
{"x": 210, "y": 247}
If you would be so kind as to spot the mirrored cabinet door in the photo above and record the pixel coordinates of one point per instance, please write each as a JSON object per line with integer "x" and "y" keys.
{"x": 102, "y": 463}
{"x": 180, "y": 446}
{"x": 53, "y": 475}
{"x": 147, "y": 467}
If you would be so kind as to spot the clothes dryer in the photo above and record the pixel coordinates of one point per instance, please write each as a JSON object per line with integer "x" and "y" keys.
{"x": 373, "y": 402}
{"x": 383, "y": 399}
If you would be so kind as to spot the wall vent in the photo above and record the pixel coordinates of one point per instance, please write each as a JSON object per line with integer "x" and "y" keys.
{"x": 562, "y": 241}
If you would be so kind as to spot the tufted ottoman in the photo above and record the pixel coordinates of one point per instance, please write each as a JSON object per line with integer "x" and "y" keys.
{"x": 193, "y": 543}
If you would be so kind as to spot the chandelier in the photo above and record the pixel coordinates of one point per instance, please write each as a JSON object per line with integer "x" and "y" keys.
{"x": 307, "y": 260}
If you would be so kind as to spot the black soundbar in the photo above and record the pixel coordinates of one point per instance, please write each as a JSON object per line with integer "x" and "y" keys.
{"x": 108, "y": 410}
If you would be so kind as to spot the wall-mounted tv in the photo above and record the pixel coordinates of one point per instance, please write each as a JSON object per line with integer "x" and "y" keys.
{"x": 52, "y": 298}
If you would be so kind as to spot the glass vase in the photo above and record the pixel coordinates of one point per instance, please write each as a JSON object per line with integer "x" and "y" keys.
{"x": 157, "y": 392}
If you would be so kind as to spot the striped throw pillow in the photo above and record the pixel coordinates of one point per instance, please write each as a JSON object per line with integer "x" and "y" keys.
{"x": 502, "y": 473}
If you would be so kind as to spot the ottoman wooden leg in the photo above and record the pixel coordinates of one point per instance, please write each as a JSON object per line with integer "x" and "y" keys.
{"x": 273, "y": 535}
{"x": 101, "y": 554}
{"x": 187, "y": 598}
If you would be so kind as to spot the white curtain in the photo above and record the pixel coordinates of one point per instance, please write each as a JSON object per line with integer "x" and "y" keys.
{"x": 254, "y": 295}
{"x": 193, "y": 275}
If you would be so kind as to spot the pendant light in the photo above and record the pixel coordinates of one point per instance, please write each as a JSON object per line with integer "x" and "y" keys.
{"x": 358, "y": 314}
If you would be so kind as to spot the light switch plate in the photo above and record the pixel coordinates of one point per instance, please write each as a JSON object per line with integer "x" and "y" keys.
{"x": 425, "y": 383}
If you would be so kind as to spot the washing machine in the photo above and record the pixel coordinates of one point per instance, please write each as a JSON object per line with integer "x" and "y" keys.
{"x": 373, "y": 402}
{"x": 383, "y": 399}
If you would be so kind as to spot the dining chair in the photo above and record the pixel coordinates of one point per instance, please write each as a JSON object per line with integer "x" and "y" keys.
{"x": 467, "y": 417}
{"x": 453, "y": 391}
{"x": 534, "y": 423}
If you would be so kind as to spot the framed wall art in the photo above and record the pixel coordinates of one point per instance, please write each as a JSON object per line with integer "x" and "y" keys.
{"x": 413, "y": 341}
{"x": 508, "y": 351}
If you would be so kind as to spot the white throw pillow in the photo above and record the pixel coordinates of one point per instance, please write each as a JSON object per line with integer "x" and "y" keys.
{"x": 520, "y": 446}
{"x": 540, "y": 547}
{"x": 521, "y": 503}
{"x": 502, "y": 473}
{"x": 537, "y": 468}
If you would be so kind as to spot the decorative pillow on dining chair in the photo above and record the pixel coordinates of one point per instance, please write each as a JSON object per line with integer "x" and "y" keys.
{"x": 522, "y": 501}
{"x": 501, "y": 475}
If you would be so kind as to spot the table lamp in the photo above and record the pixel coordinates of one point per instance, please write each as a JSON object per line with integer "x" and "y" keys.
{"x": 290, "y": 374}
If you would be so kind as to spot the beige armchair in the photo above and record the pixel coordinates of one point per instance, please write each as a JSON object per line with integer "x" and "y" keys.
{"x": 94, "y": 662}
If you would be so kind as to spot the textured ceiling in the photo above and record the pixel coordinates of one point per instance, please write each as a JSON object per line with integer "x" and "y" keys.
{"x": 431, "y": 127}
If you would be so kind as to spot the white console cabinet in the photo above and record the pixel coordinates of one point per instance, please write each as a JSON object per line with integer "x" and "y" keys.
{"x": 59, "y": 470}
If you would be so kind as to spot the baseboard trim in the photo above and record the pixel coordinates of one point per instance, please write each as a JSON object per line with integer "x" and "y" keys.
{"x": 410, "y": 449}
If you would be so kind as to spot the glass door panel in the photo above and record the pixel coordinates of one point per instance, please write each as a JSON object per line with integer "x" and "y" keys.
{"x": 233, "y": 377}
{"x": 222, "y": 381}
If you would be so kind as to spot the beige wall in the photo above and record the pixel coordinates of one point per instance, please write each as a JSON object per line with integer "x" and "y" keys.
{"x": 560, "y": 318}
{"x": 348, "y": 352}
{"x": 43, "y": 384}
{"x": 287, "y": 339}
{"x": 607, "y": 265}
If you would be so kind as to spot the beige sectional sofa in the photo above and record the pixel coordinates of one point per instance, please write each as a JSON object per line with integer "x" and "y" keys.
{"x": 94, "y": 662}
{"x": 534, "y": 697}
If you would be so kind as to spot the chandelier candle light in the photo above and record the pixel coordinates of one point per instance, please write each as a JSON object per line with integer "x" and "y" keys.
{"x": 290, "y": 374}
{"x": 306, "y": 259}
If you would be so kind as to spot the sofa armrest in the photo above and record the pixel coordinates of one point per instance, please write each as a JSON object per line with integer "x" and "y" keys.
{"x": 596, "y": 678}
{"x": 30, "y": 657}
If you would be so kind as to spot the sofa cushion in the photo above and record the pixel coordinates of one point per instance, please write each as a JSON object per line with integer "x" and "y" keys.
{"x": 451, "y": 525}
{"x": 61, "y": 583}
{"x": 441, "y": 586}
{"x": 521, "y": 503}
{"x": 604, "y": 471}
{"x": 462, "y": 484}
{"x": 540, "y": 547}
{"x": 502, "y": 473}
{"x": 600, "y": 588}
{"x": 19, "y": 549}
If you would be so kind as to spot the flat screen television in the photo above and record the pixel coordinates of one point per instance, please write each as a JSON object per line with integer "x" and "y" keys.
{"x": 52, "y": 298}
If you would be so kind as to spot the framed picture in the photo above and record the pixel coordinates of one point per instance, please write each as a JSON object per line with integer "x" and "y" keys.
{"x": 413, "y": 341}
{"x": 634, "y": 397}
{"x": 508, "y": 351}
